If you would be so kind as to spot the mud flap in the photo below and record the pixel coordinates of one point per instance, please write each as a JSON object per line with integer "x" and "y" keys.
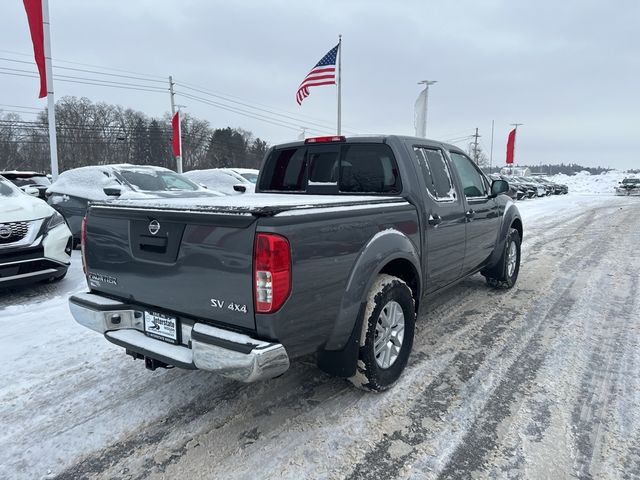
{"x": 342, "y": 363}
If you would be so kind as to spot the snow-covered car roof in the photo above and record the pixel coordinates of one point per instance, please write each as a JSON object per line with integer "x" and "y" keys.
{"x": 89, "y": 182}
{"x": 219, "y": 179}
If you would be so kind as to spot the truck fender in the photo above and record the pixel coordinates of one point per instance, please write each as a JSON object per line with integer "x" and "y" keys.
{"x": 340, "y": 353}
{"x": 511, "y": 217}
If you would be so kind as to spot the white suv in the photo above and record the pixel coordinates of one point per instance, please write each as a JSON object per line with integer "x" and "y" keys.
{"x": 35, "y": 242}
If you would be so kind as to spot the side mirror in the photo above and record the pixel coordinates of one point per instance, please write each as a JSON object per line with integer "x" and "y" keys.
{"x": 34, "y": 192}
{"x": 112, "y": 191}
{"x": 240, "y": 188}
{"x": 498, "y": 187}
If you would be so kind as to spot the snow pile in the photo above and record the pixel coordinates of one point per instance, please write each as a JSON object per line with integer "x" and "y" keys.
{"x": 585, "y": 183}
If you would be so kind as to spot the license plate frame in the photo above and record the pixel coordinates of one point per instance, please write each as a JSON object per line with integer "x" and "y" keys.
{"x": 161, "y": 326}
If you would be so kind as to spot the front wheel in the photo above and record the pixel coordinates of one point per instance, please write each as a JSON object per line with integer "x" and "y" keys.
{"x": 387, "y": 334}
{"x": 505, "y": 273}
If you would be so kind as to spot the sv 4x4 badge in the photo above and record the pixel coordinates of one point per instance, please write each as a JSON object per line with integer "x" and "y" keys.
{"x": 235, "y": 307}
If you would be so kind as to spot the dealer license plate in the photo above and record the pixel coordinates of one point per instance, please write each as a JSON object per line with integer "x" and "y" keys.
{"x": 161, "y": 326}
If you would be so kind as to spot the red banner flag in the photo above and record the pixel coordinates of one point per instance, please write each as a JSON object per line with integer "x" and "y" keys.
{"x": 511, "y": 144}
{"x": 177, "y": 135}
{"x": 34, "y": 17}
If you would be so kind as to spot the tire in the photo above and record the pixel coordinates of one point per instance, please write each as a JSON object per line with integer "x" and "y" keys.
{"x": 390, "y": 302}
{"x": 505, "y": 273}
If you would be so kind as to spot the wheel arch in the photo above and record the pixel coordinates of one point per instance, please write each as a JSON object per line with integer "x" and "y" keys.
{"x": 390, "y": 252}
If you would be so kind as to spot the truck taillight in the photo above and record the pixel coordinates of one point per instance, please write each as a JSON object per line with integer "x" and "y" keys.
{"x": 271, "y": 272}
{"x": 83, "y": 241}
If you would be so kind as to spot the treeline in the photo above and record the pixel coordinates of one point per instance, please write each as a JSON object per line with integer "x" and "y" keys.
{"x": 548, "y": 169}
{"x": 99, "y": 133}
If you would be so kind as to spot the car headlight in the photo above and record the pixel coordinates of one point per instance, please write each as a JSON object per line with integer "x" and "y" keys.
{"x": 55, "y": 220}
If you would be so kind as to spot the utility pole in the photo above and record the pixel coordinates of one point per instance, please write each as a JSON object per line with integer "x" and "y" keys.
{"x": 421, "y": 110}
{"x": 491, "y": 154}
{"x": 173, "y": 113}
{"x": 475, "y": 146}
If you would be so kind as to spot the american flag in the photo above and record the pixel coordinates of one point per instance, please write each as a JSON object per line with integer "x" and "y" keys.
{"x": 324, "y": 73}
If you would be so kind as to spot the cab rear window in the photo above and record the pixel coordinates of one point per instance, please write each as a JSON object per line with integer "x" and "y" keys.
{"x": 343, "y": 168}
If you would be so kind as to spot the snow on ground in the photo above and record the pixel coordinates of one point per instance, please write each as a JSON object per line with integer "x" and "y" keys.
{"x": 585, "y": 183}
{"x": 69, "y": 399}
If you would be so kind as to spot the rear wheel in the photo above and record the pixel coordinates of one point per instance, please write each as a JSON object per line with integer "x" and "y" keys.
{"x": 505, "y": 273}
{"x": 387, "y": 334}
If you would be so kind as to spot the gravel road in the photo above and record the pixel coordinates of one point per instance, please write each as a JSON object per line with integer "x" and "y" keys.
{"x": 541, "y": 381}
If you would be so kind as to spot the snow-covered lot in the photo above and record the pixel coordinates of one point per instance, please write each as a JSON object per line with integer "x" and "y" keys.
{"x": 542, "y": 381}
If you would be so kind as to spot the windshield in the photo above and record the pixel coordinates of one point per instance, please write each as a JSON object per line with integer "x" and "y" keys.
{"x": 252, "y": 177}
{"x": 631, "y": 181}
{"x": 156, "y": 180}
{"x": 33, "y": 180}
{"x": 7, "y": 189}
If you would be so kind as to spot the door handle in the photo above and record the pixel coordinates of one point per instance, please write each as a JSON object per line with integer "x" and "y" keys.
{"x": 434, "y": 219}
{"x": 470, "y": 213}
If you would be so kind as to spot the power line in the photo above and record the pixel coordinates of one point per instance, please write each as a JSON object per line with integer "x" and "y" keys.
{"x": 273, "y": 118}
{"x": 271, "y": 112}
{"x": 264, "y": 118}
{"x": 96, "y": 83}
{"x": 101, "y": 67}
{"x": 87, "y": 71}
{"x": 229, "y": 97}
{"x": 20, "y": 106}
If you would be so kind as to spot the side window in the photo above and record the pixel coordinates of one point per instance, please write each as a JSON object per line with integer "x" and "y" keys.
{"x": 436, "y": 173}
{"x": 471, "y": 178}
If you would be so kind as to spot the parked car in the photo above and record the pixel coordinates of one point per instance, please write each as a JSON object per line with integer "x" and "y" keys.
{"x": 514, "y": 192}
{"x": 249, "y": 174}
{"x": 539, "y": 189}
{"x": 628, "y": 186}
{"x": 75, "y": 188}
{"x": 342, "y": 243}
{"x": 528, "y": 190}
{"x": 35, "y": 243}
{"x": 220, "y": 180}
{"x": 37, "y": 180}
{"x": 556, "y": 188}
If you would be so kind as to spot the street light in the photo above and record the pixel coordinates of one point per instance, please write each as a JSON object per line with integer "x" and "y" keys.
{"x": 421, "y": 108}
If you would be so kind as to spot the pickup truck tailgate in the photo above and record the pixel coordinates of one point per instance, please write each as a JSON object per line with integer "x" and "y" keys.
{"x": 188, "y": 263}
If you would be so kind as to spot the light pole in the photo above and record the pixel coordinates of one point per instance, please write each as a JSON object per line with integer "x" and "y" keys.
{"x": 421, "y": 108}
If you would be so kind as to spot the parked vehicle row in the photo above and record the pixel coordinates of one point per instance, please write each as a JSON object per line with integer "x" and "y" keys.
{"x": 33, "y": 235}
{"x": 530, "y": 187}
{"x": 75, "y": 188}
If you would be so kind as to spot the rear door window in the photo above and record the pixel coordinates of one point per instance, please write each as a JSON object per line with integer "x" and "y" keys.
{"x": 436, "y": 173}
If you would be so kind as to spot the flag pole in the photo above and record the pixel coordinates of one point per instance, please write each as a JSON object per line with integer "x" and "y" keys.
{"x": 51, "y": 104}
{"x": 339, "y": 83}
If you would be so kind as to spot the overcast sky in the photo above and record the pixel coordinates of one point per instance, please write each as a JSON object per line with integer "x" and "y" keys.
{"x": 569, "y": 71}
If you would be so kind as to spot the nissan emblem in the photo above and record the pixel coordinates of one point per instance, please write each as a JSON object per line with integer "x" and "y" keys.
{"x": 154, "y": 227}
{"x": 5, "y": 231}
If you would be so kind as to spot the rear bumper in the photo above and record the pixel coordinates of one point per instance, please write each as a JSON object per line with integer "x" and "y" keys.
{"x": 230, "y": 354}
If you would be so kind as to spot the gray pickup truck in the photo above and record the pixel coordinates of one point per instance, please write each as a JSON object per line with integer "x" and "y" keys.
{"x": 343, "y": 242}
